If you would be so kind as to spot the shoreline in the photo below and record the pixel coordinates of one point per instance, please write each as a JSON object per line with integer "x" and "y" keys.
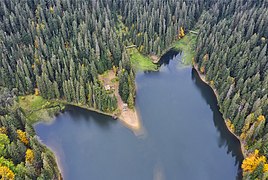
{"x": 127, "y": 116}
{"x": 83, "y": 107}
{"x": 131, "y": 121}
{"x": 59, "y": 167}
{"x": 183, "y": 44}
{"x": 133, "y": 125}
{"x": 202, "y": 77}
{"x": 155, "y": 58}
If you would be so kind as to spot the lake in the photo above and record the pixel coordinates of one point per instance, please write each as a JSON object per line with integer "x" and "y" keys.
{"x": 184, "y": 137}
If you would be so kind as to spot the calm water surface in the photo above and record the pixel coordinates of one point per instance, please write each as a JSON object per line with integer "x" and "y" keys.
{"x": 185, "y": 136}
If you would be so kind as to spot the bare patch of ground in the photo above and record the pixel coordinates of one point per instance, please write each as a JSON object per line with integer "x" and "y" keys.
{"x": 154, "y": 58}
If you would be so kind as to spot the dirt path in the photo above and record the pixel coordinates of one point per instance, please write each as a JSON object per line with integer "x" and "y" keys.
{"x": 128, "y": 117}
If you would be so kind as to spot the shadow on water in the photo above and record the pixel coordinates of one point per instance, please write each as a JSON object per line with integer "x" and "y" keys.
{"x": 82, "y": 114}
{"x": 226, "y": 138}
{"x": 165, "y": 59}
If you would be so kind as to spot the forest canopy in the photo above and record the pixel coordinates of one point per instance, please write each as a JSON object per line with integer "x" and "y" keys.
{"x": 57, "y": 49}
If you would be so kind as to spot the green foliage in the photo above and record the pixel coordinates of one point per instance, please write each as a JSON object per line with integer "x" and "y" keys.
{"x": 124, "y": 86}
{"x": 141, "y": 62}
{"x": 231, "y": 50}
{"x": 130, "y": 101}
{"x": 60, "y": 48}
{"x": 62, "y": 43}
{"x": 187, "y": 46}
{"x": 12, "y": 139}
{"x": 37, "y": 108}
{"x": 4, "y": 141}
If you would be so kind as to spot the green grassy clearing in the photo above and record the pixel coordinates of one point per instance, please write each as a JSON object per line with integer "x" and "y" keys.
{"x": 186, "y": 45}
{"x": 37, "y": 108}
{"x": 141, "y": 62}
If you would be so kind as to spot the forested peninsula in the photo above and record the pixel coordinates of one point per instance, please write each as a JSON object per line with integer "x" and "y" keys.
{"x": 86, "y": 53}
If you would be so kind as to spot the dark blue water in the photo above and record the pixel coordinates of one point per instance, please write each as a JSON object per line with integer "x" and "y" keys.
{"x": 185, "y": 136}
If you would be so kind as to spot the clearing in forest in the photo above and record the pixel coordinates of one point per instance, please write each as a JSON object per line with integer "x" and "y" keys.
{"x": 37, "y": 108}
{"x": 186, "y": 45}
{"x": 140, "y": 61}
{"x": 127, "y": 116}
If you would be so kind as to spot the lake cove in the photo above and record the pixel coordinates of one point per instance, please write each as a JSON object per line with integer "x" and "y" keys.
{"x": 184, "y": 134}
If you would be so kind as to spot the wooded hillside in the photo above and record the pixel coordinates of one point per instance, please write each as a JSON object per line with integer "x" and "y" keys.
{"x": 232, "y": 53}
{"x": 59, "y": 48}
{"x": 21, "y": 154}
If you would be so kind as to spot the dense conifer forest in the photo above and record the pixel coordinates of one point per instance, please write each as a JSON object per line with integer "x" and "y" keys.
{"x": 58, "y": 48}
{"x": 232, "y": 53}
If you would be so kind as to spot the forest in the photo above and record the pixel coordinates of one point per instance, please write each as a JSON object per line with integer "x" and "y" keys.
{"x": 59, "y": 48}
{"x": 22, "y": 155}
{"x": 232, "y": 53}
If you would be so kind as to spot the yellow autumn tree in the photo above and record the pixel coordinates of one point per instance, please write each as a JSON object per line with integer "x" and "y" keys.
{"x": 230, "y": 125}
{"x": 265, "y": 168}
{"x": 36, "y": 92}
{"x": 252, "y": 161}
{"x": 29, "y": 156}
{"x": 243, "y": 136}
{"x": 6, "y": 173}
{"x": 212, "y": 83}
{"x": 202, "y": 69}
{"x": 206, "y": 57}
{"x": 22, "y": 137}
{"x": 244, "y": 131}
{"x": 181, "y": 33}
{"x": 3, "y": 130}
{"x": 245, "y": 127}
{"x": 114, "y": 69}
{"x": 261, "y": 118}
{"x": 51, "y": 9}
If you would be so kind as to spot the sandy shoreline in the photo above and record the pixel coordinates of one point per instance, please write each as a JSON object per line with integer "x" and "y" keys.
{"x": 242, "y": 144}
{"x": 129, "y": 119}
{"x": 127, "y": 116}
